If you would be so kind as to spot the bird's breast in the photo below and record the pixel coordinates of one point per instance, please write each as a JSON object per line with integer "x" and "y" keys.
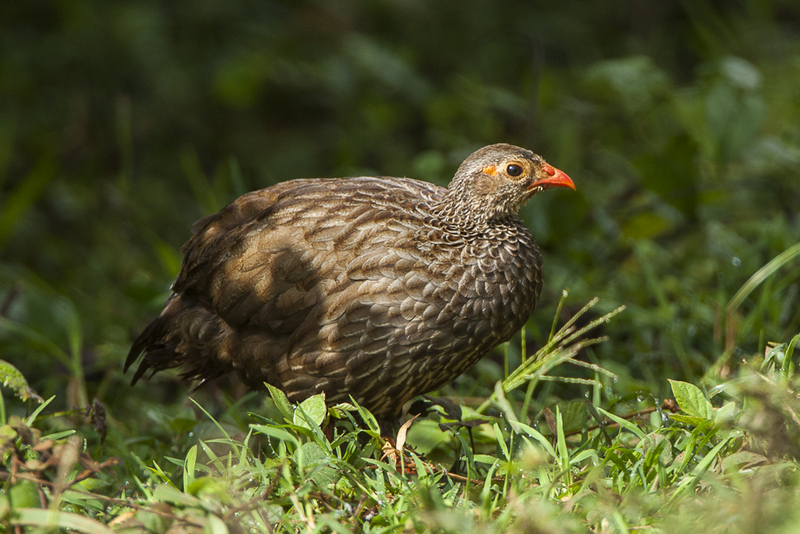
{"x": 487, "y": 285}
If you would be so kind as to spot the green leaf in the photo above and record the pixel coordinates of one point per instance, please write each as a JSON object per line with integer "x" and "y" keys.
{"x": 486, "y": 459}
{"x": 498, "y": 434}
{"x": 52, "y": 518}
{"x": 690, "y": 482}
{"x": 281, "y": 402}
{"x": 759, "y": 276}
{"x": 209, "y": 486}
{"x": 188, "y": 467}
{"x": 726, "y": 414}
{"x": 742, "y": 459}
{"x": 12, "y": 378}
{"x": 561, "y": 445}
{"x": 310, "y": 410}
{"x": 316, "y": 461}
{"x": 55, "y": 436}
{"x": 574, "y": 414}
{"x": 787, "y": 369}
{"x": 688, "y": 419}
{"x": 24, "y": 494}
{"x": 277, "y": 433}
{"x": 213, "y": 420}
{"x": 32, "y": 417}
{"x": 215, "y": 525}
{"x": 624, "y": 423}
{"x": 338, "y": 410}
{"x": 170, "y": 494}
{"x": 532, "y": 432}
{"x": 691, "y": 399}
{"x": 652, "y": 441}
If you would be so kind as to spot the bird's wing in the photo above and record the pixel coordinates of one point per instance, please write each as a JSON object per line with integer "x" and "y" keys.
{"x": 274, "y": 254}
{"x": 287, "y": 283}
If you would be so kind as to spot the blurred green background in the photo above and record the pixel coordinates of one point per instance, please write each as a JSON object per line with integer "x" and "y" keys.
{"x": 123, "y": 122}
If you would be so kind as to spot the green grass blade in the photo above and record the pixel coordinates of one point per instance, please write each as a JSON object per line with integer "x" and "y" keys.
{"x": 51, "y": 519}
{"x": 760, "y": 275}
{"x": 624, "y": 423}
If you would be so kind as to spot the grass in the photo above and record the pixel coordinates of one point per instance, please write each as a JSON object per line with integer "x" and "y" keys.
{"x": 606, "y": 467}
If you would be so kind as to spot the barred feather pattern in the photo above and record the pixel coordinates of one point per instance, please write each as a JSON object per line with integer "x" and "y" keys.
{"x": 377, "y": 288}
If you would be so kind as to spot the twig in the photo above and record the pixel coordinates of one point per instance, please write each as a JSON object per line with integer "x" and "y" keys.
{"x": 360, "y": 506}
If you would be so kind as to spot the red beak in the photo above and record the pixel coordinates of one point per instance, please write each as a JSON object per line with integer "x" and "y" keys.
{"x": 556, "y": 178}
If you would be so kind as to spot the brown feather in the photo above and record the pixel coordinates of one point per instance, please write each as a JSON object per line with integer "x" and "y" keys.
{"x": 379, "y": 288}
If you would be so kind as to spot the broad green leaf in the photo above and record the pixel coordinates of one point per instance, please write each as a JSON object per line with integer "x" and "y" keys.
{"x": 210, "y": 487}
{"x": 215, "y": 525}
{"x": 312, "y": 408}
{"x": 368, "y": 418}
{"x": 25, "y": 494}
{"x": 687, "y": 419}
{"x": 691, "y": 399}
{"x": 315, "y": 460}
{"x": 742, "y": 459}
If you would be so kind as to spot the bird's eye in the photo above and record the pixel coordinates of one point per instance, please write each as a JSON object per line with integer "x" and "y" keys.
{"x": 514, "y": 170}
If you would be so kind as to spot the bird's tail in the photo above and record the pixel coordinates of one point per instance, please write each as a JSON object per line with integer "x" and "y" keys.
{"x": 186, "y": 334}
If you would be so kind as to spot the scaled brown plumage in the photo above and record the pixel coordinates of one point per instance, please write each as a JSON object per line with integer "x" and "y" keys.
{"x": 379, "y": 288}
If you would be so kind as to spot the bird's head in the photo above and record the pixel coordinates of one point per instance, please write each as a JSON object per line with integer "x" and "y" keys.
{"x": 498, "y": 180}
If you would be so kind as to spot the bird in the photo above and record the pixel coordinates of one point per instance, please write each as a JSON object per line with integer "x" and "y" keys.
{"x": 375, "y": 289}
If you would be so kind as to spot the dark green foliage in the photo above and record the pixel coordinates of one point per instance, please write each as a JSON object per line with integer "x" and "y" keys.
{"x": 123, "y": 122}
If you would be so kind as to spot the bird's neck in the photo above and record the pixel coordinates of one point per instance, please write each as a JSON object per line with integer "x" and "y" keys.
{"x": 460, "y": 210}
